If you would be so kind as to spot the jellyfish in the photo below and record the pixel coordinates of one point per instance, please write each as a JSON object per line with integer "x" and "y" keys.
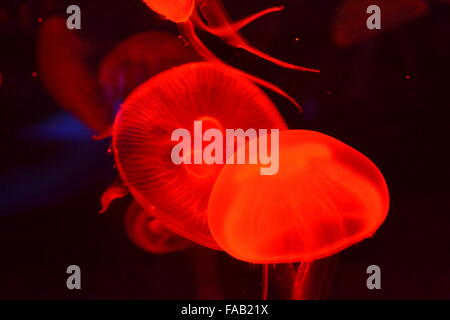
{"x": 191, "y": 13}
{"x": 148, "y": 233}
{"x": 139, "y": 58}
{"x": 62, "y": 57}
{"x": 326, "y": 197}
{"x": 350, "y": 22}
{"x": 142, "y": 139}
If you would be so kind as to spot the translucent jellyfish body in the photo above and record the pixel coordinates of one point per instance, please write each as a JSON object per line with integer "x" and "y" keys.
{"x": 326, "y": 197}
{"x": 172, "y": 100}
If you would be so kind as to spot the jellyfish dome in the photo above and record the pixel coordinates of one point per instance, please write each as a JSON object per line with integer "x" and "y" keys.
{"x": 63, "y": 62}
{"x": 139, "y": 58}
{"x": 169, "y": 101}
{"x": 325, "y": 197}
{"x": 174, "y": 10}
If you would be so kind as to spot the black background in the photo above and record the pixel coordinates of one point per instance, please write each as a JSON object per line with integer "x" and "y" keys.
{"x": 50, "y": 190}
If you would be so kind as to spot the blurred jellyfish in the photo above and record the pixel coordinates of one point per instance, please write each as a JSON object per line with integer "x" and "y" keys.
{"x": 142, "y": 139}
{"x": 139, "y": 58}
{"x": 63, "y": 69}
{"x": 350, "y": 21}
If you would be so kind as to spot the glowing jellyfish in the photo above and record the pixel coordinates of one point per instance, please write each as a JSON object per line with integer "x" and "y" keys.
{"x": 64, "y": 71}
{"x": 326, "y": 197}
{"x": 175, "y": 10}
{"x": 190, "y": 13}
{"x": 148, "y": 233}
{"x": 142, "y": 139}
{"x": 351, "y": 18}
{"x": 139, "y": 58}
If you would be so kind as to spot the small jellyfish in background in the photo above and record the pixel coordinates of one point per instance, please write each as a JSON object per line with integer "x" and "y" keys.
{"x": 326, "y": 197}
{"x": 139, "y": 58}
{"x": 148, "y": 233}
{"x": 211, "y": 16}
{"x": 62, "y": 58}
{"x": 142, "y": 139}
{"x": 351, "y": 17}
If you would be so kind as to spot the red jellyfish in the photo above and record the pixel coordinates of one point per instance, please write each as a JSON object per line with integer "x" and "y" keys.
{"x": 138, "y": 58}
{"x": 64, "y": 70}
{"x": 172, "y": 100}
{"x": 325, "y": 197}
{"x": 190, "y": 13}
{"x": 148, "y": 233}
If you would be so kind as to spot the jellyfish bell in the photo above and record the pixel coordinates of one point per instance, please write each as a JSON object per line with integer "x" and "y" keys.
{"x": 142, "y": 141}
{"x": 326, "y": 197}
{"x": 148, "y": 233}
{"x": 174, "y": 10}
{"x": 62, "y": 58}
{"x": 139, "y": 58}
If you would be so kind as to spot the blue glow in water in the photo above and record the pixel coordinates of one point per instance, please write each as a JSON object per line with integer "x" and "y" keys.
{"x": 73, "y": 165}
{"x": 60, "y": 127}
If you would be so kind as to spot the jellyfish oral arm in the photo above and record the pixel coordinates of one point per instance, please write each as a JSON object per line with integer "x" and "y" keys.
{"x": 314, "y": 278}
{"x": 265, "y": 282}
{"x": 214, "y": 13}
{"x": 230, "y": 29}
{"x": 188, "y": 30}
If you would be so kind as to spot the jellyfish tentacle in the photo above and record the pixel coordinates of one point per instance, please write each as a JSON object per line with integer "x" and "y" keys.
{"x": 314, "y": 279}
{"x": 229, "y": 29}
{"x": 276, "y": 61}
{"x": 104, "y": 134}
{"x": 265, "y": 282}
{"x": 187, "y": 29}
{"x": 148, "y": 233}
{"x": 215, "y": 15}
{"x": 253, "y": 17}
{"x": 298, "y": 290}
{"x": 207, "y": 275}
{"x": 269, "y": 86}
